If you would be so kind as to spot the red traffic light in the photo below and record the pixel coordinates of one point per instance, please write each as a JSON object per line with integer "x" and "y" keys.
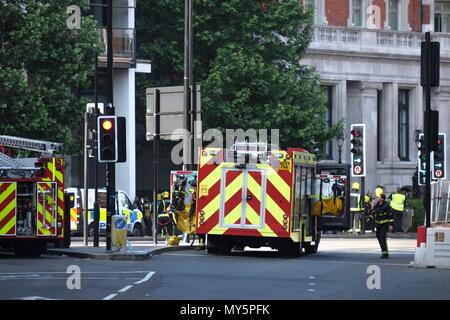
{"x": 107, "y": 125}
{"x": 356, "y": 133}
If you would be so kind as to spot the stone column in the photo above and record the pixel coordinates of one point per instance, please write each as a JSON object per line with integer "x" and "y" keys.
{"x": 362, "y": 97}
{"x": 340, "y": 94}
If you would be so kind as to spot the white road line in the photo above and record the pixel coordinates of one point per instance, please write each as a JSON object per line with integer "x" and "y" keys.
{"x": 312, "y": 277}
{"x": 312, "y": 284}
{"x": 125, "y": 289}
{"x": 110, "y": 296}
{"x": 63, "y": 272}
{"x": 146, "y": 278}
{"x": 311, "y": 290}
{"x": 359, "y": 262}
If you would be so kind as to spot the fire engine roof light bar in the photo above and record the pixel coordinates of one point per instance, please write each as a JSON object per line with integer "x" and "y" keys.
{"x": 252, "y": 148}
{"x": 30, "y": 144}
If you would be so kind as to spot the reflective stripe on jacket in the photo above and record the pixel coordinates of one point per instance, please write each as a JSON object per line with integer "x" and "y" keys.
{"x": 355, "y": 202}
{"x": 398, "y": 202}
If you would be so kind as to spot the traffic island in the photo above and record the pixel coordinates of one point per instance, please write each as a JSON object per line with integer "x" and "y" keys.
{"x": 100, "y": 253}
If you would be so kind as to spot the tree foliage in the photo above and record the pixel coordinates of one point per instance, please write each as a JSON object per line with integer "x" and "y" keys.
{"x": 247, "y": 57}
{"x": 42, "y": 64}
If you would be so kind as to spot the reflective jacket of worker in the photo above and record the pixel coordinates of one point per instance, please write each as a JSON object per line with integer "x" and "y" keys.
{"x": 355, "y": 198}
{"x": 397, "y": 206}
{"x": 382, "y": 217}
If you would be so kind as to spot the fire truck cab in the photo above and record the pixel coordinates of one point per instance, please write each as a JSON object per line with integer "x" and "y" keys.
{"x": 31, "y": 196}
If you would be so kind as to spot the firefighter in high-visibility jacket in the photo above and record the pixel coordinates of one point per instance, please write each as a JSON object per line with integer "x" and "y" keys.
{"x": 164, "y": 214}
{"x": 397, "y": 207}
{"x": 356, "y": 209}
{"x": 381, "y": 214}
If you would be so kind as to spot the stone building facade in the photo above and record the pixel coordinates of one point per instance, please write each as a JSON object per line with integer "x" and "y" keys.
{"x": 367, "y": 53}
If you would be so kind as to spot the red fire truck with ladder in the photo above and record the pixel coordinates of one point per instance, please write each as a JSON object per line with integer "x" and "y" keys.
{"x": 31, "y": 196}
{"x": 252, "y": 196}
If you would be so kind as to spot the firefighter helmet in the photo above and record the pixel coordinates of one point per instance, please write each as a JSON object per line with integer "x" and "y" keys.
{"x": 165, "y": 195}
{"x": 355, "y": 185}
{"x": 379, "y": 191}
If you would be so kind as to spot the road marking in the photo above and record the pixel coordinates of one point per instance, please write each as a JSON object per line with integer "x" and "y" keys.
{"x": 312, "y": 277}
{"x": 58, "y": 272}
{"x": 357, "y": 262}
{"x": 125, "y": 289}
{"x": 35, "y": 298}
{"x": 311, "y": 290}
{"x": 147, "y": 277}
{"x": 312, "y": 284}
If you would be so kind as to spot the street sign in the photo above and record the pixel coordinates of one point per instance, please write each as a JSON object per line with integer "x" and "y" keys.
{"x": 172, "y": 111}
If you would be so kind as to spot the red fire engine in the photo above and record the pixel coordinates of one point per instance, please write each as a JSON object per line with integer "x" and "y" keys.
{"x": 31, "y": 196}
{"x": 250, "y": 196}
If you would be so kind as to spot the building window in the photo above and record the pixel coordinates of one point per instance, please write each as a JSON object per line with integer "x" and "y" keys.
{"x": 329, "y": 118}
{"x": 442, "y": 16}
{"x": 379, "y": 128}
{"x": 357, "y": 12}
{"x": 393, "y": 14}
{"x": 403, "y": 125}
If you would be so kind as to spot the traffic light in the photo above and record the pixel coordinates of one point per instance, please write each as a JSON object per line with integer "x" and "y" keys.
{"x": 358, "y": 160}
{"x": 422, "y": 157}
{"x": 438, "y": 159}
{"x": 107, "y": 139}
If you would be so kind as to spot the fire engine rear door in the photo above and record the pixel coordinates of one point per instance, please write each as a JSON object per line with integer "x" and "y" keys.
{"x": 242, "y": 202}
{"x": 255, "y": 185}
{"x": 47, "y": 208}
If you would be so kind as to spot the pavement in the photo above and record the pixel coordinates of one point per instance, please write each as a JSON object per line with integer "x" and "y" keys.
{"x": 136, "y": 249}
{"x": 141, "y": 248}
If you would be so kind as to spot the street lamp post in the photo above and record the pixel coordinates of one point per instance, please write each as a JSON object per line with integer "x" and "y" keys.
{"x": 340, "y": 143}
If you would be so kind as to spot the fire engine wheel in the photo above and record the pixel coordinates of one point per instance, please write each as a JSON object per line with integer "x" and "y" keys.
{"x": 310, "y": 249}
{"x": 212, "y": 250}
{"x": 30, "y": 249}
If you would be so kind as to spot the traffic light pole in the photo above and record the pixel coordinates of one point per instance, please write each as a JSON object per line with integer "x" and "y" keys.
{"x": 427, "y": 129}
{"x": 96, "y": 167}
{"x": 157, "y": 105}
{"x": 109, "y": 110}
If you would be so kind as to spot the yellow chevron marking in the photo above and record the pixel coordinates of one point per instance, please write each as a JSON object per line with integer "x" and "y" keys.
{"x": 212, "y": 207}
{"x": 233, "y": 215}
{"x": 8, "y": 226}
{"x": 252, "y": 216}
{"x": 57, "y": 173}
{"x": 275, "y": 210}
{"x": 7, "y": 192}
{"x": 279, "y": 183}
{"x": 212, "y": 178}
{"x": 233, "y": 187}
{"x": 8, "y": 209}
{"x": 254, "y": 187}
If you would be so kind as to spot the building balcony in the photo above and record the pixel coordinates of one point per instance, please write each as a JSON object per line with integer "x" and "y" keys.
{"x": 361, "y": 41}
{"x": 124, "y": 47}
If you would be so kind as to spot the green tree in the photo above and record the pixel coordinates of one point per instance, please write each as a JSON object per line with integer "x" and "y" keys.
{"x": 248, "y": 60}
{"x": 42, "y": 65}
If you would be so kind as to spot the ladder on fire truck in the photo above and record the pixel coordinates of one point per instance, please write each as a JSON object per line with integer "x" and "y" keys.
{"x": 42, "y": 147}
